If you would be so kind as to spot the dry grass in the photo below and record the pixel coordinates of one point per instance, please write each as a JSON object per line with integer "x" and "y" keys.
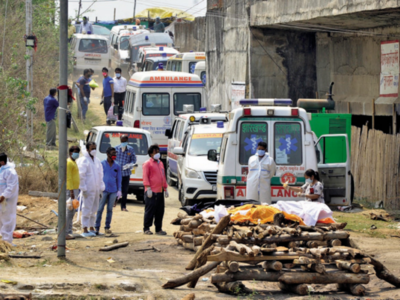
{"x": 36, "y": 178}
{"x": 5, "y": 247}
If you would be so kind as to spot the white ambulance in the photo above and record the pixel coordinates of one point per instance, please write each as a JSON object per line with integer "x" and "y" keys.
{"x": 291, "y": 143}
{"x": 185, "y": 62}
{"x": 154, "y": 99}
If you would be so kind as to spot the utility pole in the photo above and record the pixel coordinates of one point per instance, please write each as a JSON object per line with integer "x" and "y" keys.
{"x": 134, "y": 13}
{"x": 79, "y": 9}
{"x": 29, "y": 72}
{"x": 62, "y": 129}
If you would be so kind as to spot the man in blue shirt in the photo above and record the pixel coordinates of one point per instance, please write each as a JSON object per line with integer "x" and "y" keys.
{"x": 50, "y": 107}
{"x": 125, "y": 156}
{"x": 107, "y": 95}
{"x": 84, "y": 89}
{"x": 112, "y": 180}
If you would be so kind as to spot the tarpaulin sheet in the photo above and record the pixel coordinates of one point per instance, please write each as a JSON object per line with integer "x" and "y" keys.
{"x": 164, "y": 13}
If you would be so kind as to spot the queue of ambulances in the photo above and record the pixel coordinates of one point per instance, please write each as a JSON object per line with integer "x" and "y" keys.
{"x": 154, "y": 99}
{"x": 154, "y": 52}
{"x": 179, "y": 127}
{"x": 291, "y": 143}
{"x": 185, "y": 62}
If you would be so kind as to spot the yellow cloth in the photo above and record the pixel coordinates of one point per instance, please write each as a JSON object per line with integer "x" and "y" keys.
{"x": 262, "y": 213}
{"x": 71, "y": 30}
{"x": 72, "y": 175}
{"x": 164, "y": 13}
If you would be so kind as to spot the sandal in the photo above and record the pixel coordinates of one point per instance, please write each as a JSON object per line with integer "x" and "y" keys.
{"x": 124, "y": 209}
{"x": 161, "y": 232}
{"x": 148, "y": 232}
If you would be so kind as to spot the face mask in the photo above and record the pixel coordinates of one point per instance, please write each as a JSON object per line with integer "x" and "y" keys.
{"x": 118, "y": 75}
{"x": 124, "y": 144}
{"x": 114, "y": 157}
{"x": 157, "y": 156}
{"x": 75, "y": 155}
{"x": 93, "y": 152}
{"x": 308, "y": 180}
{"x": 260, "y": 152}
{"x": 104, "y": 74}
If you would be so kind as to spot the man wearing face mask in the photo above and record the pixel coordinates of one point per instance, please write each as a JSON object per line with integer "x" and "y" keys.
{"x": 91, "y": 185}
{"x": 86, "y": 26}
{"x": 9, "y": 187}
{"x": 155, "y": 190}
{"x": 50, "y": 104}
{"x": 261, "y": 169}
{"x": 72, "y": 187}
{"x": 107, "y": 95}
{"x": 120, "y": 85}
{"x": 112, "y": 178}
{"x": 84, "y": 89}
{"x": 126, "y": 158}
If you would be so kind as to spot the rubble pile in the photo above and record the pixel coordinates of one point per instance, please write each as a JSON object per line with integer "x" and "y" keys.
{"x": 283, "y": 251}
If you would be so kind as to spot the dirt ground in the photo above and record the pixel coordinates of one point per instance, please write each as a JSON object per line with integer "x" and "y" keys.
{"x": 88, "y": 273}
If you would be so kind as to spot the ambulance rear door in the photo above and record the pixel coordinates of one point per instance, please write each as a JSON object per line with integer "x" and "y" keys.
{"x": 334, "y": 171}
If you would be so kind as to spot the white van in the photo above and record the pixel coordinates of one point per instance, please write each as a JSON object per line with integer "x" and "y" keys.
{"x": 198, "y": 175}
{"x": 155, "y": 52}
{"x": 153, "y": 100}
{"x": 291, "y": 143}
{"x": 200, "y": 70}
{"x": 119, "y": 46}
{"x": 179, "y": 127}
{"x": 185, "y": 62}
{"x": 109, "y": 136}
{"x": 90, "y": 51}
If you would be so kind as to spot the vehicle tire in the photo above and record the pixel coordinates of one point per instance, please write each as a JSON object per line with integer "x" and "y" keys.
{"x": 170, "y": 182}
{"x": 182, "y": 199}
{"x": 140, "y": 197}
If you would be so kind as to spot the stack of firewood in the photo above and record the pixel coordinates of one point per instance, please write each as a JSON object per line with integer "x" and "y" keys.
{"x": 295, "y": 256}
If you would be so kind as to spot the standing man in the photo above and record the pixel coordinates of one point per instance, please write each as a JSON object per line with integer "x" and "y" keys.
{"x": 261, "y": 169}
{"x": 107, "y": 96}
{"x": 112, "y": 178}
{"x": 159, "y": 26}
{"x": 71, "y": 30}
{"x": 50, "y": 107}
{"x": 9, "y": 187}
{"x": 155, "y": 190}
{"x": 84, "y": 89}
{"x": 160, "y": 66}
{"x": 86, "y": 26}
{"x": 91, "y": 185}
{"x": 120, "y": 85}
{"x": 126, "y": 158}
{"x": 72, "y": 187}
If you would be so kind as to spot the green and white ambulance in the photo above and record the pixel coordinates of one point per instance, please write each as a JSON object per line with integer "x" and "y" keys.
{"x": 291, "y": 143}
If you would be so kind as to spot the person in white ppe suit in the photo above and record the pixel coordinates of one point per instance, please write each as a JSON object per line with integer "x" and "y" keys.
{"x": 261, "y": 169}
{"x": 9, "y": 187}
{"x": 91, "y": 186}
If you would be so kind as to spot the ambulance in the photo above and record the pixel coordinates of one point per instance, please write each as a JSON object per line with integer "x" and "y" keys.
{"x": 291, "y": 143}
{"x": 154, "y": 52}
{"x": 185, "y": 62}
{"x": 200, "y": 70}
{"x": 179, "y": 127}
{"x": 154, "y": 99}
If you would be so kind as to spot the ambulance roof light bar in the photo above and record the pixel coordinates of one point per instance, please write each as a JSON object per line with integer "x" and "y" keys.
{"x": 266, "y": 102}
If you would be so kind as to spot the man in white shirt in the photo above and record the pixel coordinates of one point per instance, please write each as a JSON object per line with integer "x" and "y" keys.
{"x": 86, "y": 27}
{"x": 120, "y": 84}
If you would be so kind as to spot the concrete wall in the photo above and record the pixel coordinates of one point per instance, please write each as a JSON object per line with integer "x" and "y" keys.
{"x": 191, "y": 36}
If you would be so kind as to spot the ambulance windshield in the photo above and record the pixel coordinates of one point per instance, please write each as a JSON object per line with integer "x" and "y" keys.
{"x": 203, "y": 142}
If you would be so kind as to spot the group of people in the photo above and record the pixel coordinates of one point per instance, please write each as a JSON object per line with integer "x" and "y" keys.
{"x": 262, "y": 168}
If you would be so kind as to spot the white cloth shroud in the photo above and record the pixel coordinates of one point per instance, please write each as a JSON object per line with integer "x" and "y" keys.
{"x": 309, "y": 211}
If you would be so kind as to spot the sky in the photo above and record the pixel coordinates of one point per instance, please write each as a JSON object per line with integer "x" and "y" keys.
{"x": 104, "y": 9}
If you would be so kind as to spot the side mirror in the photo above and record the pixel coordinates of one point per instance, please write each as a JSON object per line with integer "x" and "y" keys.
{"x": 212, "y": 155}
{"x": 116, "y": 46}
{"x": 168, "y": 133}
{"x": 179, "y": 151}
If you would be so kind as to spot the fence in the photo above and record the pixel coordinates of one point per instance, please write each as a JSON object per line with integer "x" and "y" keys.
{"x": 375, "y": 166}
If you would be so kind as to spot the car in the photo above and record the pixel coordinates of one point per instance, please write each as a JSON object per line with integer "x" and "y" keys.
{"x": 109, "y": 136}
{"x": 198, "y": 175}
{"x": 97, "y": 29}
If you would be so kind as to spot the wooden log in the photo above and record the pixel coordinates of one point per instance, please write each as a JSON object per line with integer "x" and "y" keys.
{"x": 197, "y": 241}
{"x": 383, "y": 273}
{"x": 345, "y": 265}
{"x": 195, "y": 223}
{"x": 335, "y": 226}
{"x": 256, "y": 250}
{"x": 43, "y": 194}
{"x": 232, "y": 287}
{"x": 319, "y": 268}
{"x": 354, "y": 289}
{"x": 245, "y": 275}
{"x": 230, "y": 255}
{"x": 291, "y": 231}
{"x": 187, "y": 238}
{"x": 233, "y": 266}
{"x": 21, "y": 256}
{"x": 239, "y": 247}
{"x": 197, "y": 231}
{"x": 176, "y": 221}
{"x": 208, "y": 242}
{"x": 4, "y": 256}
{"x": 300, "y": 289}
{"x": 316, "y": 244}
{"x": 330, "y": 277}
{"x": 182, "y": 214}
{"x": 272, "y": 265}
{"x": 223, "y": 240}
{"x": 15, "y": 296}
{"x": 230, "y": 232}
{"x": 191, "y": 276}
{"x": 306, "y": 236}
{"x": 335, "y": 243}
{"x": 191, "y": 296}
{"x": 115, "y": 246}
{"x": 189, "y": 246}
{"x": 186, "y": 221}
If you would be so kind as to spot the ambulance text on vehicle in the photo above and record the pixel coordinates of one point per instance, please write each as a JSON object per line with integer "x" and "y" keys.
{"x": 292, "y": 145}
{"x": 185, "y": 62}
{"x": 154, "y": 99}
